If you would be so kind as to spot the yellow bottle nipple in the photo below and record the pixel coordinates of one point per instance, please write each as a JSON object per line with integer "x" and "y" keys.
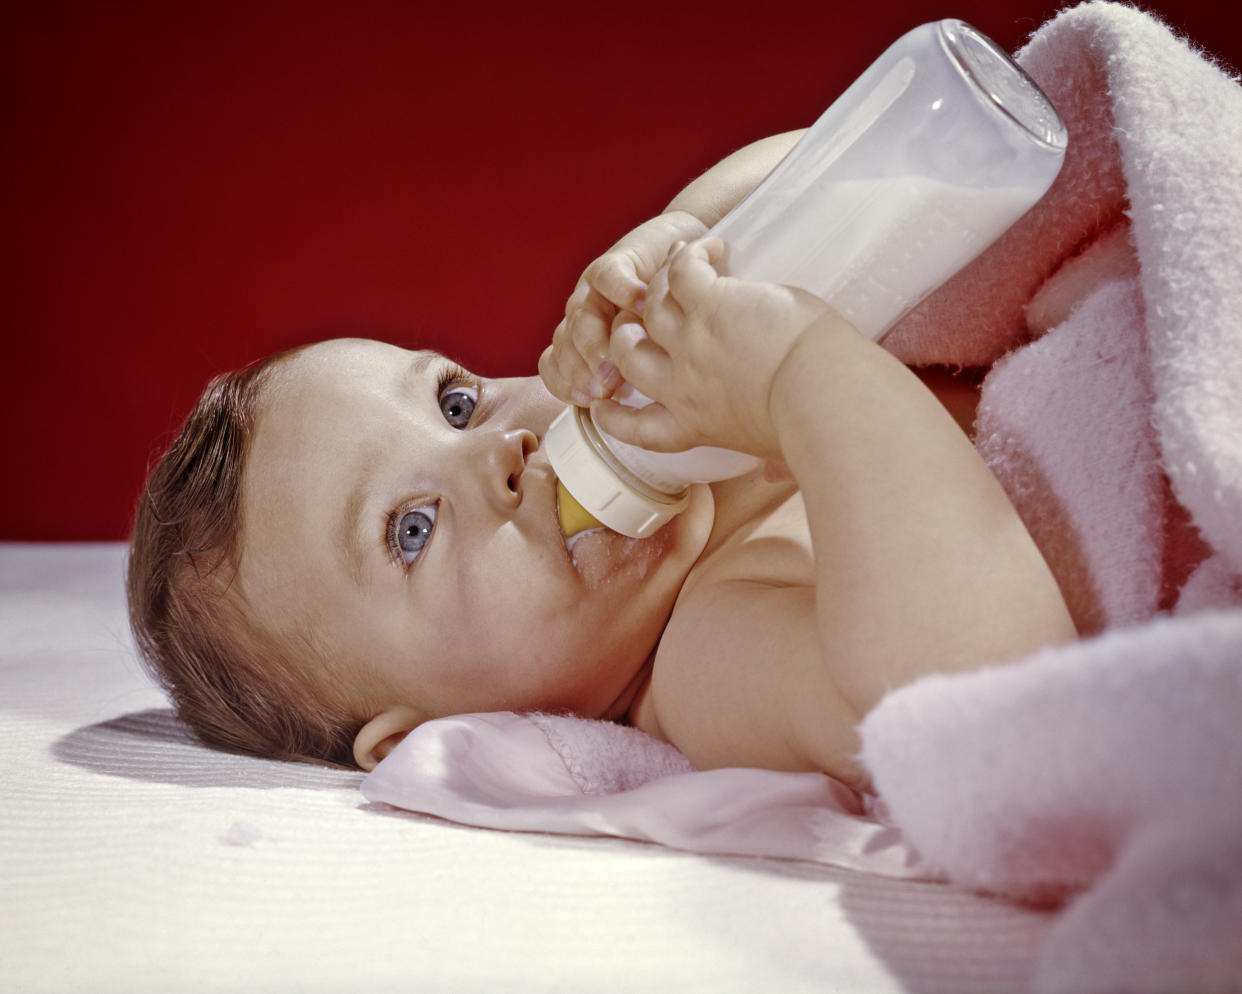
{"x": 574, "y": 517}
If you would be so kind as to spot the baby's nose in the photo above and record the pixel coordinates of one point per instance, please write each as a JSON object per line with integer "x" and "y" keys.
{"x": 502, "y": 460}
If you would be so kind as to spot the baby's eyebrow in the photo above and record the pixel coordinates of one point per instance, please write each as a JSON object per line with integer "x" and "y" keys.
{"x": 419, "y": 364}
{"x": 349, "y": 537}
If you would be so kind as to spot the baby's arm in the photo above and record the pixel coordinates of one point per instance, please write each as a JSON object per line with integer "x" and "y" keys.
{"x": 717, "y": 191}
{"x": 921, "y": 563}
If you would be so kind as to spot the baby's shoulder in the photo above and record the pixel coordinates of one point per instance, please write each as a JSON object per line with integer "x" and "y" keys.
{"x": 741, "y": 645}
{"x": 768, "y": 543}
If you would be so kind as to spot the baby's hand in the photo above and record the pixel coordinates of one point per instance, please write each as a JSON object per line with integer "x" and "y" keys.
{"x": 707, "y": 351}
{"x": 576, "y": 367}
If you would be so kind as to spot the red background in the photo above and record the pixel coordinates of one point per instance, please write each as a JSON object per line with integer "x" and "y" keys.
{"x": 191, "y": 185}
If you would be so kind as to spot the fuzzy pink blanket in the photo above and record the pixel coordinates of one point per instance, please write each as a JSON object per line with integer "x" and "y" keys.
{"x": 1104, "y": 775}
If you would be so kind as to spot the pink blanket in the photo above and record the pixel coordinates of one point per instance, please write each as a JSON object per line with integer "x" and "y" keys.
{"x": 1105, "y": 775}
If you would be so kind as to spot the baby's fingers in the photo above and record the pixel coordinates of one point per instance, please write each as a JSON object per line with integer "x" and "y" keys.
{"x": 641, "y": 362}
{"x": 652, "y": 427}
{"x": 614, "y": 276}
{"x": 588, "y": 332}
{"x": 692, "y": 273}
{"x": 565, "y": 374}
{"x": 576, "y": 299}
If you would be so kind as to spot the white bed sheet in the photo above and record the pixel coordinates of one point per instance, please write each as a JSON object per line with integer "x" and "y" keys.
{"x": 133, "y": 859}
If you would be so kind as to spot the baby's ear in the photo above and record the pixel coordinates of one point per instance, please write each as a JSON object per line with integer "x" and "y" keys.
{"x": 381, "y": 735}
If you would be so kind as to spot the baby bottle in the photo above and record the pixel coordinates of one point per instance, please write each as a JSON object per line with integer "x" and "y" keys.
{"x": 928, "y": 157}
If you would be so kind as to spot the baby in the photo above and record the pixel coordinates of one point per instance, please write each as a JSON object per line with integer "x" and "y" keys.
{"x": 350, "y": 539}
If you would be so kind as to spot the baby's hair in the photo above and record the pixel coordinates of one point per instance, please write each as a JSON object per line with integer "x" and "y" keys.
{"x": 230, "y": 681}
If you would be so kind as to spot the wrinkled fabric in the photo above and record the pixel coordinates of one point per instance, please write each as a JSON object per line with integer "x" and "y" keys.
{"x": 1108, "y": 773}
{"x": 502, "y": 771}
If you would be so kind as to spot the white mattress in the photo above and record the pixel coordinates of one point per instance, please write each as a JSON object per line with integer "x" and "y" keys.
{"x": 134, "y": 859}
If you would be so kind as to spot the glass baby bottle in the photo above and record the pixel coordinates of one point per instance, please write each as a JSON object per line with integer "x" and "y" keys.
{"x": 928, "y": 157}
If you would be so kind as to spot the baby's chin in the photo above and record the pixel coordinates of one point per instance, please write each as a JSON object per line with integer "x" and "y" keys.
{"x": 603, "y": 557}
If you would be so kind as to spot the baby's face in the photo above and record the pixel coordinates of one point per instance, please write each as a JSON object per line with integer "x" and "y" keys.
{"x": 401, "y": 513}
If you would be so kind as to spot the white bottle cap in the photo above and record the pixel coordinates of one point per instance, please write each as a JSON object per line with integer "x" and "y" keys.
{"x": 611, "y": 493}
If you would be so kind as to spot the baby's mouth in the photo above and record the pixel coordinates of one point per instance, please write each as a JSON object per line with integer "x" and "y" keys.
{"x": 575, "y": 520}
{"x": 601, "y": 555}
{"x": 598, "y": 553}
{"x": 572, "y": 540}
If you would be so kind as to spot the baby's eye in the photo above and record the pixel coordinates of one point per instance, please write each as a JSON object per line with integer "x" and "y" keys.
{"x": 411, "y": 531}
{"x": 457, "y": 404}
